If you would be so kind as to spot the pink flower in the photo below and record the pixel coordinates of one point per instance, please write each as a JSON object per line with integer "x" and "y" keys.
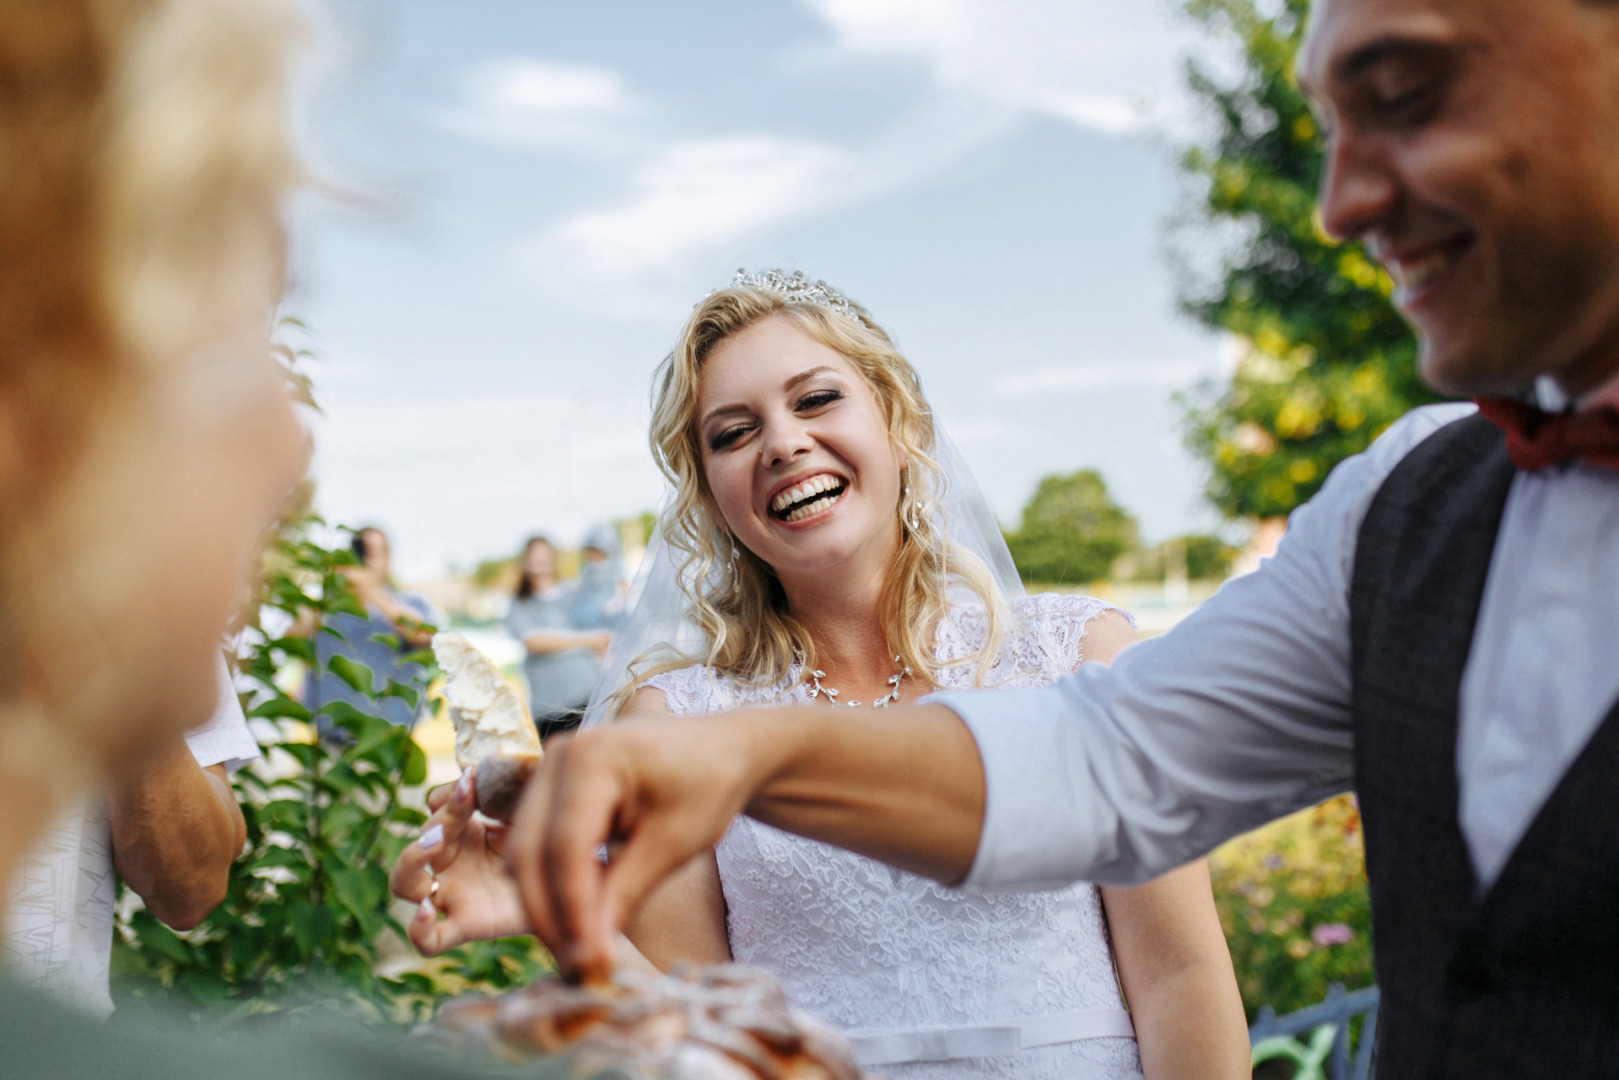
{"x": 1332, "y": 934}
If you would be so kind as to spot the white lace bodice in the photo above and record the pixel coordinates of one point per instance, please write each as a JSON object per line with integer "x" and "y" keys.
{"x": 869, "y": 947}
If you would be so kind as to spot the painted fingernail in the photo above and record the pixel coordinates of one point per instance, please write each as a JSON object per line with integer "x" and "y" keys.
{"x": 432, "y": 838}
{"x": 427, "y": 910}
{"x": 463, "y": 787}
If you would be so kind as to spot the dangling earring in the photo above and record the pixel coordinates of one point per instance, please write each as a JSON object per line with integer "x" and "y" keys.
{"x": 735, "y": 554}
{"x": 912, "y": 506}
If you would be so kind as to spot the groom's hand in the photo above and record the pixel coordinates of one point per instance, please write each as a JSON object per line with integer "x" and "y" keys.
{"x": 908, "y": 790}
{"x": 655, "y": 793}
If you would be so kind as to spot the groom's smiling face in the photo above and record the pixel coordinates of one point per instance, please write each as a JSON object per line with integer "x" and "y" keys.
{"x": 1473, "y": 145}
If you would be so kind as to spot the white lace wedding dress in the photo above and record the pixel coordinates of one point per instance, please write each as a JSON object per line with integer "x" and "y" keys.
{"x": 930, "y": 983}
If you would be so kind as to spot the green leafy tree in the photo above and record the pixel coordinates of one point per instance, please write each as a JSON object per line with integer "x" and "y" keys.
{"x": 1071, "y": 531}
{"x": 306, "y": 913}
{"x": 495, "y": 573}
{"x": 1201, "y": 557}
{"x": 1327, "y": 362}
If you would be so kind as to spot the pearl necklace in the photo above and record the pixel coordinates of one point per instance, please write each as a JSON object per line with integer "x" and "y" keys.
{"x": 816, "y": 689}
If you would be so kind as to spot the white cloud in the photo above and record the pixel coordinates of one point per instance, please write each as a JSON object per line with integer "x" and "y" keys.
{"x": 532, "y": 102}
{"x": 1061, "y": 378}
{"x": 691, "y": 198}
{"x": 1109, "y": 65}
{"x": 694, "y": 195}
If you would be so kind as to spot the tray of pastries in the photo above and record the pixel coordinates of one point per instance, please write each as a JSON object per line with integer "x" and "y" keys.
{"x": 724, "y": 1022}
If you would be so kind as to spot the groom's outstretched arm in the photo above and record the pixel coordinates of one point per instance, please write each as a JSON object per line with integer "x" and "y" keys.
{"x": 908, "y": 790}
{"x": 1115, "y": 775}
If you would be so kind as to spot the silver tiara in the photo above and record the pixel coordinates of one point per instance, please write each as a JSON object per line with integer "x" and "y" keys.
{"x": 795, "y": 288}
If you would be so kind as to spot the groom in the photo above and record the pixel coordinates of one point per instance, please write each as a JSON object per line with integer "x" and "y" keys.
{"x": 1439, "y": 630}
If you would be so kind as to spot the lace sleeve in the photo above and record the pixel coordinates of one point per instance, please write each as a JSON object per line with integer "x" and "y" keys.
{"x": 687, "y": 691}
{"x": 1059, "y": 621}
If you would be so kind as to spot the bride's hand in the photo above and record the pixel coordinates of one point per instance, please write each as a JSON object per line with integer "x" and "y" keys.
{"x": 465, "y": 856}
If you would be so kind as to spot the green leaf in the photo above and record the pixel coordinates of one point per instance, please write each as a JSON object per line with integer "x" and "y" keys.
{"x": 415, "y": 767}
{"x": 344, "y": 817}
{"x": 347, "y": 716}
{"x": 375, "y": 734}
{"x": 409, "y": 695}
{"x": 302, "y": 920}
{"x": 336, "y": 599}
{"x": 363, "y": 890}
{"x": 357, "y": 675}
{"x": 160, "y": 939}
{"x": 279, "y": 707}
{"x": 275, "y": 857}
{"x": 299, "y": 648}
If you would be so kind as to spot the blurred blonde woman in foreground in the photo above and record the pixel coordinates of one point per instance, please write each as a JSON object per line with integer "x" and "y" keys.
{"x": 146, "y": 438}
{"x": 821, "y": 546}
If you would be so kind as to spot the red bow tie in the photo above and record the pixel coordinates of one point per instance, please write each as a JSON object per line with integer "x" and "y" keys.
{"x": 1537, "y": 439}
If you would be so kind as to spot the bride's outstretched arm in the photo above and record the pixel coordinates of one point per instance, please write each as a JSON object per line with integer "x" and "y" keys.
{"x": 908, "y": 791}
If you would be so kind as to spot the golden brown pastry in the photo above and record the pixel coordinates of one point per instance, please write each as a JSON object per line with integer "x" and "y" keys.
{"x": 719, "y": 1023}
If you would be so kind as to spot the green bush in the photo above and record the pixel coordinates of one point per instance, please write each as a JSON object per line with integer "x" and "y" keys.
{"x": 307, "y": 906}
{"x": 306, "y": 914}
{"x": 1292, "y": 899}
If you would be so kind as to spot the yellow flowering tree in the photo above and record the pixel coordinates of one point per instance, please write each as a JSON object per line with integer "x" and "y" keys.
{"x": 1326, "y": 362}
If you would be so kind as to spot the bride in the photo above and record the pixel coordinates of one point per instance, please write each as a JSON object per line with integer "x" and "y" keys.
{"x": 822, "y": 544}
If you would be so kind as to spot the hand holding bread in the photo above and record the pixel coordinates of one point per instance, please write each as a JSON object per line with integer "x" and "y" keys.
{"x": 493, "y": 729}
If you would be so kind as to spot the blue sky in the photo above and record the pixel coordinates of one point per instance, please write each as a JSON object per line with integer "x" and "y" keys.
{"x": 538, "y": 192}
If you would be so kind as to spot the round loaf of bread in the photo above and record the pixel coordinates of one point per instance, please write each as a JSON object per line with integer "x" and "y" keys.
{"x": 725, "y": 1022}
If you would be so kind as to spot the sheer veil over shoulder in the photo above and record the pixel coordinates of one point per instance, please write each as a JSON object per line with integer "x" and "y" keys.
{"x": 657, "y": 627}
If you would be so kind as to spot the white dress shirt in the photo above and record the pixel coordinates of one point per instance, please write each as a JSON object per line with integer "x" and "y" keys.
{"x": 60, "y": 904}
{"x": 1241, "y": 714}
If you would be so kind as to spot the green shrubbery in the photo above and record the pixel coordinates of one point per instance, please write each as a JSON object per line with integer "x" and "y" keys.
{"x": 1293, "y": 902}
{"x": 307, "y": 910}
{"x": 306, "y": 917}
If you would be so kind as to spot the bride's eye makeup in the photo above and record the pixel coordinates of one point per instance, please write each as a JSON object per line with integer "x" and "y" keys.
{"x": 818, "y": 399}
{"x": 806, "y": 403}
{"x": 721, "y": 439}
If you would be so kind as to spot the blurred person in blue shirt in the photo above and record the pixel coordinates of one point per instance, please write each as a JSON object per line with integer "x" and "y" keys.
{"x": 397, "y": 623}
{"x": 598, "y": 599}
{"x": 562, "y": 638}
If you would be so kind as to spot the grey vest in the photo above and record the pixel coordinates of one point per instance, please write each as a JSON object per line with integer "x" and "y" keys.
{"x": 1522, "y": 980}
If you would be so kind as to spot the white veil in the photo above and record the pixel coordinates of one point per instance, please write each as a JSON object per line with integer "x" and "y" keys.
{"x": 656, "y": 605}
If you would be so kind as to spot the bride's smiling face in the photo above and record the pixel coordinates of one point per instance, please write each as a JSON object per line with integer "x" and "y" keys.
{"x": 797, "y": 452}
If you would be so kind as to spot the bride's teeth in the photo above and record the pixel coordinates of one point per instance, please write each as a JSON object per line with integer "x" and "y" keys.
{"x": 812, "y": 486}
{"x": 811, "y": 509}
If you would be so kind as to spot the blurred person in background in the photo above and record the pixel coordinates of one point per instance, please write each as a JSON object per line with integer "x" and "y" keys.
{"x": 561, "y": 657}
{"x": 598, "y": 599}
{"x": 147, "y": 441}
{"x": 396, "y": 624}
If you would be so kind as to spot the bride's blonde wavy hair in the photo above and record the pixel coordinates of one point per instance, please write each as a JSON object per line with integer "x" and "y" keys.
{"x": 738, "y": 604}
